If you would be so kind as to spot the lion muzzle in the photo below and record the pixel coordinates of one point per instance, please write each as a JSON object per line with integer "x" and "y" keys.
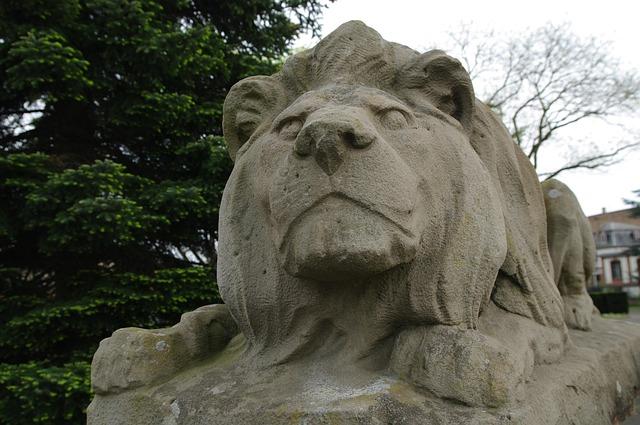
{"x": 330, "y": 222}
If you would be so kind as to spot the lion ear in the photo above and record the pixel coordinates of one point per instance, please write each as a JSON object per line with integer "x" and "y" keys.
{"x": 444, "y": 82}
{"x": 249, "y": 109}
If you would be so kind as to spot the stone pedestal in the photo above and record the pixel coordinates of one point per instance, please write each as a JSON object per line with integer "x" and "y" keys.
{"x": 595, "y": 383}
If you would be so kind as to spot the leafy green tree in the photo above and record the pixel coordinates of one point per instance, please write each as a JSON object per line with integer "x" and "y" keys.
{"x": 111, "y": 172}
{"x": 635, "y": 204}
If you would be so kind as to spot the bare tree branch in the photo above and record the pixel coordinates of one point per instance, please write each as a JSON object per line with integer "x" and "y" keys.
{"x": 544, "y": 80}
{"x": 593, "y": 162}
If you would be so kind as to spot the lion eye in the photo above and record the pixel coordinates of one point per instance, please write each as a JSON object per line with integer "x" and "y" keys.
{"x": 393, "y": 119}
{"x": 291, "y": 128}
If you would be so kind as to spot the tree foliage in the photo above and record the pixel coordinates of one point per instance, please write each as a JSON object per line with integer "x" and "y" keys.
{"x": 634, "y": 203}
{"x": 111, "y": 172}
{"x": 547, "y": 80}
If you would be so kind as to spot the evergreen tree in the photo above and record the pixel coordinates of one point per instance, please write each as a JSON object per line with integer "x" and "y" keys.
{"x": 111, "y": 172}
{"x": 635, "y": 204}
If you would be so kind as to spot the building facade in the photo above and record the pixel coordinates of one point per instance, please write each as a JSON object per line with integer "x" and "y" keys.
{"x": 617, "y": 237}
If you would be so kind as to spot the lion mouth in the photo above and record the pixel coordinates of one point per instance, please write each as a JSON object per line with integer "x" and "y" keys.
{"x": 338, "y": 237}
{"x": 324, "y": 204}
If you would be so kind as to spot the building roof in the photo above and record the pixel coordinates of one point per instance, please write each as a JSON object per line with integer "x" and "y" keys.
{"x": 620, "y": 217}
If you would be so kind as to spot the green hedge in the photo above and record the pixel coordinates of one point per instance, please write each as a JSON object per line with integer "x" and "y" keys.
{"x": 58, "y": 339}
{"x": 611, "y": 302}
{"x": 35, "y": 393}
{"x": 71, "y": 329}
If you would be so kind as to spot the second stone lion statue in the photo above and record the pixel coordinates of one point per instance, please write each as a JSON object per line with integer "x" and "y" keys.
{"x": 379, "y": 220}
{"x": 573, "y": 252}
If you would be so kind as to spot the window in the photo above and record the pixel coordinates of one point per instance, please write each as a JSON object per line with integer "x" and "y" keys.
{"x": 616, "y": 271}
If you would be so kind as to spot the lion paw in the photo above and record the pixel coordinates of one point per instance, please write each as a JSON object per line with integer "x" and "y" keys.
{"x": 463, "y": 365}
{"x": 578, "y": 310}
{"x": 134, "y": 357}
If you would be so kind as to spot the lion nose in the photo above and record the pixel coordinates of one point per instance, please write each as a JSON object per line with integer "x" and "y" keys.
{"x": 330, "y": 140}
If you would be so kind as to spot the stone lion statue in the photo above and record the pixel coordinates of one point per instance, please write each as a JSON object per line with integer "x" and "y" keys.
{"x": 379, "y": 221}
{"x": 573, "y": 252}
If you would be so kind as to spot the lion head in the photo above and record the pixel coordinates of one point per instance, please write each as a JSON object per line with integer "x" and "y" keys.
{"x": 371, "y": 192}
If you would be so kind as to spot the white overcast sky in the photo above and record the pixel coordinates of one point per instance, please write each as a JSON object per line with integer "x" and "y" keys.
{"x": 420, "y": 24}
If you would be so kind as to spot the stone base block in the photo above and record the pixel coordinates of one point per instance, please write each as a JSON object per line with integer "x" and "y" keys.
{"x": 595, "y": 383}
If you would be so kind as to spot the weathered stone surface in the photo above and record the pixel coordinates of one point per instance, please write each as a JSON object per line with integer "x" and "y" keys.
{"x": 594, "y": 384}
{"x": 573, "y": 252}
{"x": 383, "y": 253}
{"x": 135, "y": 357}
